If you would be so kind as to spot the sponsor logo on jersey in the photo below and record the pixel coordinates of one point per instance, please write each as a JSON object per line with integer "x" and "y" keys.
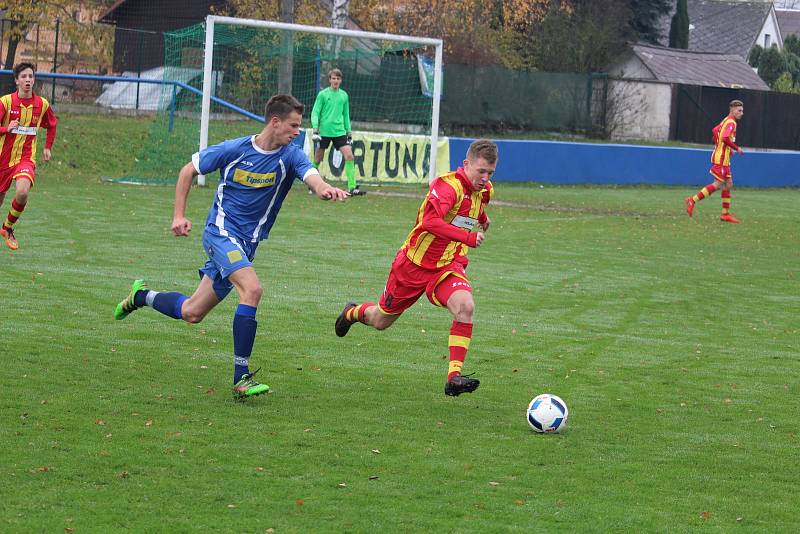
{"x": 467, "y": 223}
{"x": 254, "y": 179}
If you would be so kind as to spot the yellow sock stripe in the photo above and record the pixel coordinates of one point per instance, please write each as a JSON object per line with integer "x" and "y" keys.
{"x": 15, "y": 213}
{"x": 352, "y": 315}
{"x": 459, "y": 341}
{"x": 455, "y": 365}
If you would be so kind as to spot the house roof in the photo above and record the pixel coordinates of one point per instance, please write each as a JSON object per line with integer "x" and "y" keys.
{"x": 698, "y": 68}
{"x": 722, "y": 26}
{"x": 789, "y": 21}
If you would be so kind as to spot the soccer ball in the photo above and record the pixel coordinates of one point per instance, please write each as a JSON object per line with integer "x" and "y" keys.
{"x": 547, "y": 413}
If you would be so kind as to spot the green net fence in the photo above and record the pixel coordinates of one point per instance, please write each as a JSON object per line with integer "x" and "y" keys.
{"x": 383, "y": 79}
{"x": 491, "y": 98}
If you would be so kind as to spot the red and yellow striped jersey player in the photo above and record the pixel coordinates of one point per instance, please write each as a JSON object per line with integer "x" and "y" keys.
{"x": 433, "y": 259}
{"x": 724, "y": 146}
{"x": 21, "y": 114}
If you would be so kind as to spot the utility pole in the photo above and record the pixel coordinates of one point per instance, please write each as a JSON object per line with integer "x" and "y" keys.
{"x": 287, "y": 49}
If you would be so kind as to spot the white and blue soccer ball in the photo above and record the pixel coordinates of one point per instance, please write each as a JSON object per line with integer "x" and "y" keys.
{"x": 547, "y": 413}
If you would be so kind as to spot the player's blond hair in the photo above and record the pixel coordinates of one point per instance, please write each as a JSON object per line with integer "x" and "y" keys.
{"x": 482, "y": 148}
{"x": 736, "y": 104}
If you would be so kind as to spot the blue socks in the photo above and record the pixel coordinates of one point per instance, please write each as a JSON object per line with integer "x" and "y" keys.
{"x": 167, "y": 303}
{"x": 244, "y": 334}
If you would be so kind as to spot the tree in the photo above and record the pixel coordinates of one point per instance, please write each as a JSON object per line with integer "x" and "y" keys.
{"x": 474, "y": 31}
{"x": 792, "y": 44}
{"x": 755, "y": 56}
{"x": 305, "y": 11}
{"x": 679, "y": 28}
{"x": 87, "y": 42}
{"x": 583, "y": 39}
{"x": 784, "y": 84}
{"x": 771, "y": 65}
{"x": 645, "y": 21}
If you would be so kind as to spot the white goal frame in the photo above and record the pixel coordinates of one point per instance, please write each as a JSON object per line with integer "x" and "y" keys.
{"x": 211, "y": 20}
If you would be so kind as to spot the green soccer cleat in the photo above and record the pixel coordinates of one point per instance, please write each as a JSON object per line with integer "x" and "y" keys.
{"x": 125, "y": 307}
{"x": 247, "y": 387}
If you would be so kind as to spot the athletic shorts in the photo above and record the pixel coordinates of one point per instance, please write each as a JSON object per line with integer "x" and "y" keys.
{"x": 226, "y": 255}
{"x": 408, "y": 281}
{"x": 721, "y": 172}
{"x": 23, "y": 169}
{"x": 338, "y": 142}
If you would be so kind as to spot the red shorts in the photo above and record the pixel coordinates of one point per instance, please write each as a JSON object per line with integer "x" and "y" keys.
{"x": 721, "y": 172}
{"x": 23, "y": 169}
{"x": 408, "y": 281}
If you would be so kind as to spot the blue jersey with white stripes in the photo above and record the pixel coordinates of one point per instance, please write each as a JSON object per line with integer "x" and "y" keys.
{"x": 252, "y": 184}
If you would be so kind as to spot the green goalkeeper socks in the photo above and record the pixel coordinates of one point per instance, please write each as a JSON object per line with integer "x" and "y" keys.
{"x": 350, "y": 172}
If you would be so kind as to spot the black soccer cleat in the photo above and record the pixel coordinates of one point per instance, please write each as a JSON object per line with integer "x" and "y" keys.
{"x": 461, "y": 384}
{"x": 342, "y": 325}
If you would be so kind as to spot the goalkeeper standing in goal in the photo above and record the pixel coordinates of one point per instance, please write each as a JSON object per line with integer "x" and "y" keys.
{"x": 256, "y": 173}
{"x": 330, "y": 119}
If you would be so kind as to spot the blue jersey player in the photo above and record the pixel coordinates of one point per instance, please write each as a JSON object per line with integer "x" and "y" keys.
{"x": 256, "y": 173}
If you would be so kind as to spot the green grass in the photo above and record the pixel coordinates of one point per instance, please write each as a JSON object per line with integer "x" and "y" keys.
{"x": 673, "y": 341}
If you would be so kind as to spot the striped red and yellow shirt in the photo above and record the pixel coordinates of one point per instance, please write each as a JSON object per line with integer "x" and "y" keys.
{"x": 443, "y": 233}
{"x": 724, "y": 141}
{"x": 32, "y": 113}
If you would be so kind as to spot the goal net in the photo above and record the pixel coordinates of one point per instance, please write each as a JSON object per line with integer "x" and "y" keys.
{"x": 230, "y": 67}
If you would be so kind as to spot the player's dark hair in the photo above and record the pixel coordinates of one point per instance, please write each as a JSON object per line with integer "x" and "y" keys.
{"x": 482, "y": 148}
{"x": 281, "y": 105}
{"x": 334, "y": 72}
{"x": 19, "y": 67}
{"x": 735, "y": 104}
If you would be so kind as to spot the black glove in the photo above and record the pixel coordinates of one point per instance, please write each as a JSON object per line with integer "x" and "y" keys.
{"x": 349, "y": 138}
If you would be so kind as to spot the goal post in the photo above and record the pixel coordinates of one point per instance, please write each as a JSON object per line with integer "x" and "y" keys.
{"x": 377, "y": 70}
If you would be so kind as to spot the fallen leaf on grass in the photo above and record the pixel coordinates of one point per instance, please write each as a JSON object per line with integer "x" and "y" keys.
{"x": 342, "y": 485}
{"x": 705, "y": 515}
{"x": 376, "y": 451}
{"x": 149, "y": 422}
{"x": 40, "y": 469}
{"x": 299, "y": 502}
{"x": 493, "y": 483}
{"x": 374, "y": 477}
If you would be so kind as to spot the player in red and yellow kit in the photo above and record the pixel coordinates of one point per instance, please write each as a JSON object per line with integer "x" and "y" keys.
{"x": 21, "y": 114}
{"x": 724, "y": 145}
{"x": 433, "y": 259}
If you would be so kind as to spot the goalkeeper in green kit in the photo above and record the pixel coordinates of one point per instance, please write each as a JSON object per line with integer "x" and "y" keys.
{"x": 330, "y": 119}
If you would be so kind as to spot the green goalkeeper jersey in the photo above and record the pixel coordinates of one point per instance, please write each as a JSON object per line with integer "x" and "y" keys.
{"x": 331, "y": 113}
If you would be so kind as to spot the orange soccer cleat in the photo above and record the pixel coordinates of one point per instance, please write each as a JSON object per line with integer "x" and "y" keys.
{"x": 689, "y": 205}
{"x": 8, "y": 235}
{"x": 727, "y": 217}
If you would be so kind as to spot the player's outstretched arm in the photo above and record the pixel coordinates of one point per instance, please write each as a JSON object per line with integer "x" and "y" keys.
{"x": 181, "y": 226}
{"x": 324, "y": 190}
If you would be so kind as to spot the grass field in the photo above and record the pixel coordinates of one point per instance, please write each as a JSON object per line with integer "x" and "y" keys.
{"x": 673, "y": 341}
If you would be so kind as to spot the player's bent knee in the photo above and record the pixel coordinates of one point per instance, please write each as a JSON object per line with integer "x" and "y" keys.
{"x": 191, "y": 314}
